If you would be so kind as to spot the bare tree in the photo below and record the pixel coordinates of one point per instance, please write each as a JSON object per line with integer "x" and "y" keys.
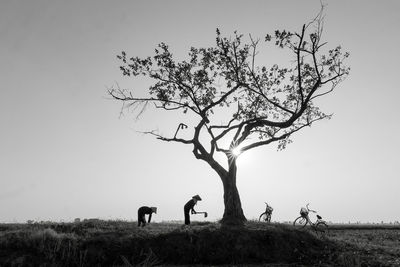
{"x": 259, "y": 105}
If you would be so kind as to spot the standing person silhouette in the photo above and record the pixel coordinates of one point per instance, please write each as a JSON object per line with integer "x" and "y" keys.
{"x": 142, "y": 211}
{"x": 189, "y": 206}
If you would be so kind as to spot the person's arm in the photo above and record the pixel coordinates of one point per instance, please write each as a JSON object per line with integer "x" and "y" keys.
{"x": 192, "y": 203}
{"x": 193, "y": 211}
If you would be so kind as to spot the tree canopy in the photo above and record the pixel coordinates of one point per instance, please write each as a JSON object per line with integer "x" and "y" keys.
{"x": 259, "y": 104}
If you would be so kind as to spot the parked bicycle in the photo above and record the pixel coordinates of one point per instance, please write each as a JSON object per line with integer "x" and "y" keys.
{"x": 301, "y": 221}
{"x": 266, "y": 215}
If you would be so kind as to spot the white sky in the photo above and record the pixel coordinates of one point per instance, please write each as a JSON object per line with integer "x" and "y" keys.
{"x": 65, "y": 153}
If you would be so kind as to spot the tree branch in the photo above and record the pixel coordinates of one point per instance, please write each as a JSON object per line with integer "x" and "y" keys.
{"x": 180, "y": 126}
{"x": 281, "y": 137}
{"x": 299, "y": 63}
{"x": 122, "y": 96}
{"x": 174, "y": 139}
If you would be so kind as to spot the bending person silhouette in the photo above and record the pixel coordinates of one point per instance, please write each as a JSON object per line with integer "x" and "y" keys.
{"x": 189, "y": 206}
{"x": 142, "y": 211}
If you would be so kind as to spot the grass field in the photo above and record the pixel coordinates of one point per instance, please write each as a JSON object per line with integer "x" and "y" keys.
{"x": 379, "y": 242}
{"x": 121, "y": 243}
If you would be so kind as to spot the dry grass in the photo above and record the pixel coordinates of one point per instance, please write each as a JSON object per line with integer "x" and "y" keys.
{"x": 122, "y": 243}
{"x": 382, "y": 243}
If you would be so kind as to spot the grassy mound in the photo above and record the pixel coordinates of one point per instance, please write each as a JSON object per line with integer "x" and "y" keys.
{"x": 103, "y": 243}
{"x": 211, "y": 245}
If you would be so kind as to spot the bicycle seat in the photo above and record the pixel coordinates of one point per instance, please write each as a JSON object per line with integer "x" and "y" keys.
{"x": 319, "y": 217}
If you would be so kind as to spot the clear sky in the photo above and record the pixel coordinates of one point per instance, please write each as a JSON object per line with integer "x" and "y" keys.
{"x": 65, "y": 152}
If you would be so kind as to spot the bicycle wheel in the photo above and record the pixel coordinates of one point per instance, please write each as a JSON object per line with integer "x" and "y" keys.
{"x": 300, "y": 222}
{"x": 265, "y": 217}
{"x": 321, "y": 227}
{"x": 268, "y": 219}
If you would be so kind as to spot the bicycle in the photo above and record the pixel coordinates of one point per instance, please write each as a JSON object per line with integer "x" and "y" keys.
{"x": 319, "y": 225}
{"x": 266, "y": 215}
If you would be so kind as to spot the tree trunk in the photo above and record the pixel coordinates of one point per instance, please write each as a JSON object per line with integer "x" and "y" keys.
{"x": 233, "y": 214}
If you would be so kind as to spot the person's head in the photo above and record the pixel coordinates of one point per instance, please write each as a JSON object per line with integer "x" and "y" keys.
{"x": 154, "y": 209}
{"x": 196, "y": 197}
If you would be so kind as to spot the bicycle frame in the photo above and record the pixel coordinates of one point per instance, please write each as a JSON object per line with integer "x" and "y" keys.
{"x": 319, "y": 225}
{"x": 267, "y": 213}
{"x": 313, "y": 223}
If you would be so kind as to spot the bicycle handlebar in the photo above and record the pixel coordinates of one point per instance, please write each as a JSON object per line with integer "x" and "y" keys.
{"x": 308, "y": 204}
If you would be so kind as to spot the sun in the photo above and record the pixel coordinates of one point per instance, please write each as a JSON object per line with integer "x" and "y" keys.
{"x": 236, "y": 151}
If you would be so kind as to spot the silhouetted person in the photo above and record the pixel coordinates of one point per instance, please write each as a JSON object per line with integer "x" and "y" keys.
{"x": 142, "y": 211}
{"x": 189, "y": 206}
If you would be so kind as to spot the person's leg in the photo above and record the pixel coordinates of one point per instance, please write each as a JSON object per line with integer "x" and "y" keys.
{"x": 143, "y": 220}
{"x": 187, "y": 217}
